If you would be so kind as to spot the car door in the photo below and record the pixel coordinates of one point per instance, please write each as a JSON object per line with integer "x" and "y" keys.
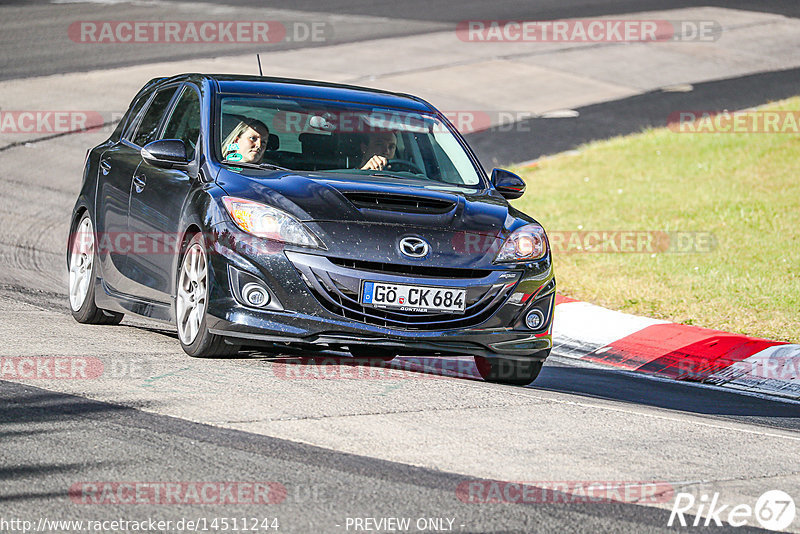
{"x": 156, "y": 202}
{"x": 117, "y": 165}
{"x": 121, "y": 163}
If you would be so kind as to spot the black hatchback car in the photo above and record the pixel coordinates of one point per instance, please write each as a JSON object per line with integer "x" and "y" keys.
{"x": 252, "y": 211}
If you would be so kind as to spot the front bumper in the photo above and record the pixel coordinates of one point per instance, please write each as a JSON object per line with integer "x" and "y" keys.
{"x": 319, "y": 305}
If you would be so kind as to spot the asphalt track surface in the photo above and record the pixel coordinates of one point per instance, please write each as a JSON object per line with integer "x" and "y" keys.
{"x": 533, "y": 138}
{"x": 323, "y": 487}
{"x": 349, "y": 448}
{"x": 34, "y": 42}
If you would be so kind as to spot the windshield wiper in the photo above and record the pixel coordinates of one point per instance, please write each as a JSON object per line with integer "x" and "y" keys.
{"x": 273, "y": 167}
{"x": 398, "y": 175}
{"x": 256, "y": 165}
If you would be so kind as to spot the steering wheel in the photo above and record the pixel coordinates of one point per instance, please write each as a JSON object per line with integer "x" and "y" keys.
{"x": 403, "y": 164}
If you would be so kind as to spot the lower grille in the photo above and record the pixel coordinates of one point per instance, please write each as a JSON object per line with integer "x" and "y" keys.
{"x": 414, "y": 270}
{"x": 337, "y": 290}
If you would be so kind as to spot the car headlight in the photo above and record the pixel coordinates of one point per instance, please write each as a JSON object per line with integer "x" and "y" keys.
{"x": 265, "y": 221}
{"x": 524, "y": 244}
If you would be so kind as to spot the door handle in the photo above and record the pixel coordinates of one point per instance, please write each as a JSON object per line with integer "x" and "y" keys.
{"x": 105, "y": 166}
{"x": 139, "y": 181}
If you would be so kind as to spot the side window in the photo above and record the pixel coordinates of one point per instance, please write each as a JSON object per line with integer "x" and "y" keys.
{"x": 148, "y": 127}
{"x": 184, "y": 123}
{"x": 133, "y": 111}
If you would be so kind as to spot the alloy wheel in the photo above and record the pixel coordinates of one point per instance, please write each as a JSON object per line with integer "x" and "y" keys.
{"x": 192, "y": 293}
{"x": 81, "y": 261}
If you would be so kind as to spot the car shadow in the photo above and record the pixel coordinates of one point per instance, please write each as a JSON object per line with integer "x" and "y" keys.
{"x": 609, "y": 384}
{"x": 462, "y": 367}
{"x": 596, "y": 383}
{"x": 167, "y": 332}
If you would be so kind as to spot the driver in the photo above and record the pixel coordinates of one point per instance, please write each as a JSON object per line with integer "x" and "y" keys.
{"x": 378, "y": 151}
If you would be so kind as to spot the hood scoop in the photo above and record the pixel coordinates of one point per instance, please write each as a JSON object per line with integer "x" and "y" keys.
{"x": 397, "y": 202}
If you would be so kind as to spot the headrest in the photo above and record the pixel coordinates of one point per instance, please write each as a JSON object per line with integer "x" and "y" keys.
{"x": 273, "y": 143}
{"x": 315, "y": 142}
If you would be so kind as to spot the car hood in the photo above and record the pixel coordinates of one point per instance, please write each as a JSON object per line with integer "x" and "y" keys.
{"x": 343, "y": 197}
{"x": 462, "y": 225}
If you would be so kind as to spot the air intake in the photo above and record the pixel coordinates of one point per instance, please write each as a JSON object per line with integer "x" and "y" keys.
{"x": 404, "y": 203}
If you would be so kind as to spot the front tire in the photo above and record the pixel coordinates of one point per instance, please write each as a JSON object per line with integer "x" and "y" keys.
{"x": 505, "y": 371}
{"x": 82, "y": 276}
{"x": 191, "y": 304}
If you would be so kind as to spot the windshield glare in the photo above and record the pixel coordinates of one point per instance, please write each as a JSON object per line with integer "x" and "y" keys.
{"x": 326, "y": 136}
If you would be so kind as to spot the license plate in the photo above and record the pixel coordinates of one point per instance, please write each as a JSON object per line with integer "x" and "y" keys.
{"x": 413, "y": 298}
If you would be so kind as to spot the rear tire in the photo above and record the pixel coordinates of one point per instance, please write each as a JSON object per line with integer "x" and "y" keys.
{"x": 191, "y": 304}
{"x": 505, "y": 371}
{"x": 82, "y": 277}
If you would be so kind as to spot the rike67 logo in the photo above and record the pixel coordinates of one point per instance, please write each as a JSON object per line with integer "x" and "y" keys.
{"x": 774, "y": 510}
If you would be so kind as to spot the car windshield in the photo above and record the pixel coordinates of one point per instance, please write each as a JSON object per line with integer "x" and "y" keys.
{"x": 328, "y": 137}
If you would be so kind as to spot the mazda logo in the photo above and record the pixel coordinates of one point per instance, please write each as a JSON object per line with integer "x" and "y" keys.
{"x": 414, "y": 247}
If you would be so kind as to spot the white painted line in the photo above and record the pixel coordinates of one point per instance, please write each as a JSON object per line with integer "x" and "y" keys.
{"x": 680, "y": 88}
{"x": 560, "y": 114}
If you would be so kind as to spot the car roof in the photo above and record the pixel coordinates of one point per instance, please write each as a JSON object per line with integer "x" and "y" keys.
{"x": 241, "y": 84}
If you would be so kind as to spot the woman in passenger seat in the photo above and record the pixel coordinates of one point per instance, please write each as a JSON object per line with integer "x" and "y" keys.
{"x": 247, "y": 142}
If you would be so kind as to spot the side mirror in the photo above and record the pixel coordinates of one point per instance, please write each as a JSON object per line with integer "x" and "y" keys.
{"x": 166, "y": 154}
{"x": 508, "y": 184}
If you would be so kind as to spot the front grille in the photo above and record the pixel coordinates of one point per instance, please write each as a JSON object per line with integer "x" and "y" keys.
{"x": 338, "y": 296}
{"x": 404, "y": 203}
{"x": 414, "y": 270}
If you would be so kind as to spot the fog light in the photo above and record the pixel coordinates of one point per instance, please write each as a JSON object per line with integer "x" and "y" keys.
{"x": 534, "y": 320}
{"x": 255, "y": 295}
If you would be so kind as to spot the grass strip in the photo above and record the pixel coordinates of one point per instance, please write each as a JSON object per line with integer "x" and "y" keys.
{"x": 741, "y": 190}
